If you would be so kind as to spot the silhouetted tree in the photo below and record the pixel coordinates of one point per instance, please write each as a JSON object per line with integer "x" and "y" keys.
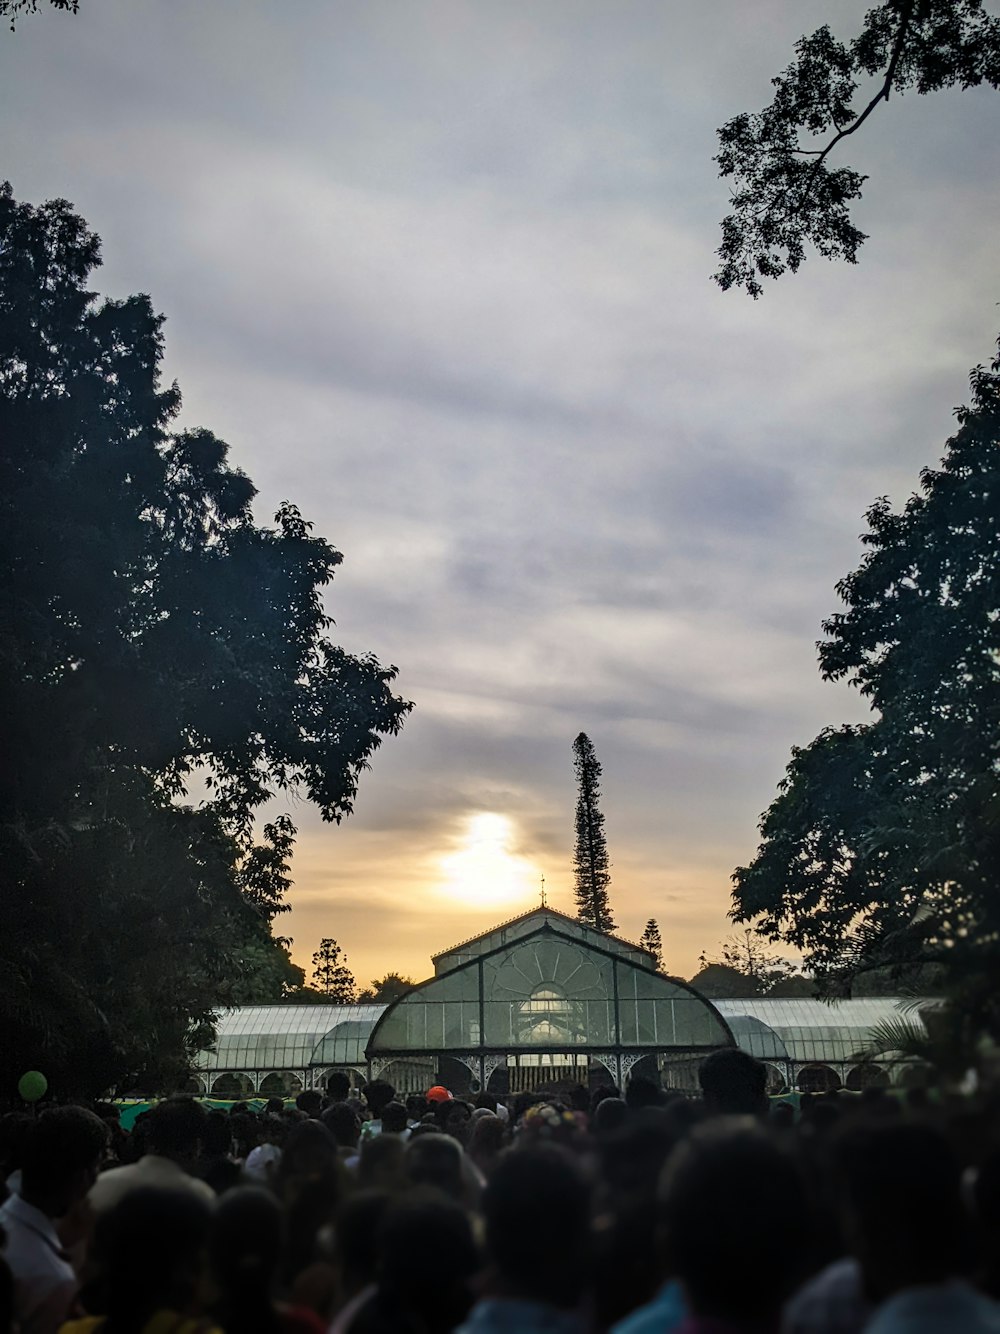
{"x": 651, "y": 940}
{"x": 590, "y": 860}
{"x": 881, "y": 848}
{"x": 385, "y": 989}
{"x": 331, "y": 975}
{"x": 785, "y": 195}
{"x": 150, "y": 632}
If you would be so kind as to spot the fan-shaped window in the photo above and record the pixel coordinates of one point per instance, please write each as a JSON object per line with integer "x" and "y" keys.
{"x": 545, "y": 1000}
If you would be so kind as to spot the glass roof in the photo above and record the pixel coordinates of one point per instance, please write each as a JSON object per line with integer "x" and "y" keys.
{"x": 527, "y": 924}
{"x": 805, "y": 1030}
{"x": 289, "y": 1037}
{"x": 549, "y": 991}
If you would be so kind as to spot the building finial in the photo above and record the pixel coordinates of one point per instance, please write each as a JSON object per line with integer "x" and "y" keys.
{"x": 543, "y": 891}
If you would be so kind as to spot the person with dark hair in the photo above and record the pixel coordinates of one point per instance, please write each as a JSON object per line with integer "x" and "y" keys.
{"x": 378, "y": 1094}
{"x": 541, "y": 1266}
{"x": 274, "y": 1107}
{"x": 733, "y": 1083}
{"x": 60, "y": 1158}
{"x": 310, "y": 1101}
{"x": 427, "y": 1259}
{"x": 342, "y": 1122}
{"x": 245, "y": 1247}
{"x": 338, "y": 1086}
{"x": 359, "y": 1227}
{"x": 433, "y": 1159}
{"x": 735, "y": 1227}
{"x": 150, "y": 1251}
{"x": 310, "y": 1183}
{"x": 486, "y": 1143}
{"x": 218, "y": 1167}
{"x": 609, "y": 1116}
{"x": 394, "y": 1120}
{"x": 416, "y": 1107}
{"x": 906, "y": 1223}
{"x": 174, "y": 1131}
{"x": 642, "y": 1092}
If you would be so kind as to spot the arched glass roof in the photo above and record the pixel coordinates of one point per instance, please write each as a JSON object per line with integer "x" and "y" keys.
{"x": 806, "y": 1030}
{"x": 290, "y": 1037}
{"x": 548, "y": 991}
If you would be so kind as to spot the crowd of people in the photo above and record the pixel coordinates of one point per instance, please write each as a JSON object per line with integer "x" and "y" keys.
{"x": 640, "y": 1212}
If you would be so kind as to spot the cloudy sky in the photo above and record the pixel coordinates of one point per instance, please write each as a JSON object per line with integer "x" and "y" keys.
{"x": 438, "y": 270}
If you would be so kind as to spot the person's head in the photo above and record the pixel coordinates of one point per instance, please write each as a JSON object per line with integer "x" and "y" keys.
{"x": 358, "y": 1227}
{"x": 381, "y": 1163}
{"x": 246, "y": 1130}
{"x": 175, "y": 1129}
{"x": 310, "y": 1101}
{"x": 733, "y": 1083}
{"x": 342, "y": 1122}
{"x": 245, "y": 1246}
{"x": 437, "y": 1093}
{"x": 904, "y": 1217}
{"x": 732, "y": 1204}
{"x": 274, "y": 1106}
{"x": 487, "y": 1141}
{"x": 377, "y": 1095}
{"x": 338, "y": 1085}
{"x": 393, "y": 1118}
{"x": 217, "y": 1135}
{"x": 60, "y": 1158}
{"x": 427, "y": 1259}
{"x": 416, "y": 1106}
{"x": 309, "y": 1152}
{"x": 273, "y": 1130}
{"x": 642, "y": 1092}
{"x": 609, "y": 1116}
{"x": 453, "y": 1118}
{"x": 435, "y": 1160}
{"x": 544, "y": 1260}
{"x": 600, "y": 1093}
{"x": 151, "y": 1251}
{"x": 487, "y": 1100}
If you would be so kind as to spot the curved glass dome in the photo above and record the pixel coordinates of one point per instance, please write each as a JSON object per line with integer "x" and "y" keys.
{"x": 290, "y": 1037}
{"x": 811, "y": 1030}
{"x": 549, "y": 991}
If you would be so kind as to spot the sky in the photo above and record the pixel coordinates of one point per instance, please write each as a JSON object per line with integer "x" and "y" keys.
{"x": 439, "y": 272}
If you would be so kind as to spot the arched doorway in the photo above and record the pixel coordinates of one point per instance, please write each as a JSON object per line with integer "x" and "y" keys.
{"x": 280, "y": 1084}
{"x": 818, "y": 1079}
{"x": 232, "y": 1084}
{"x": 867, "y": 1075}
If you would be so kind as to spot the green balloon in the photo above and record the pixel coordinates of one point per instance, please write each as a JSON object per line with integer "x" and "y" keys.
{"x": 32, "y": 1085}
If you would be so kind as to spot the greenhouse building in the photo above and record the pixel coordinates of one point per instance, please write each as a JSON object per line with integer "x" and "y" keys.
{"x": 537, "y": 1001}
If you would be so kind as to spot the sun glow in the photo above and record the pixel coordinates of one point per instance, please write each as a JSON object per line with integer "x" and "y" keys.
{"x": 483, "y": 870}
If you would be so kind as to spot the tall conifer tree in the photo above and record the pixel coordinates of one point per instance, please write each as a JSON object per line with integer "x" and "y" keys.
{"x": 652, "y": 941}
{"x": 590, "y": 860}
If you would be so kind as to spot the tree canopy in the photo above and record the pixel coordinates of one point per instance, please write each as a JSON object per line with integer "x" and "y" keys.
{"x": 881, "y": 848}
{"x": 332, "y": 978}
{"x": 153, "y": 639}
{"x": 384, "y": 990}
{"x": 786, "y": 194}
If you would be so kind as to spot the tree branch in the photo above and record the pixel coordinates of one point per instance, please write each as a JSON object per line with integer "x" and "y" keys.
{"x": 881, "y": 96}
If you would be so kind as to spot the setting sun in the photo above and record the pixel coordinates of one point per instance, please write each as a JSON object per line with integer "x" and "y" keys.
{"x": 483, "y": 870}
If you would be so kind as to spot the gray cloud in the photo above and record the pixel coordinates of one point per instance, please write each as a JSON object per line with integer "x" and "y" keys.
{"x": 439, "y": 273}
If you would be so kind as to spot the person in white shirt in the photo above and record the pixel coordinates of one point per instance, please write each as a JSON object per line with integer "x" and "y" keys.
{"x": 173, "y": 1130}
{"x": 60, "y": 1165}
